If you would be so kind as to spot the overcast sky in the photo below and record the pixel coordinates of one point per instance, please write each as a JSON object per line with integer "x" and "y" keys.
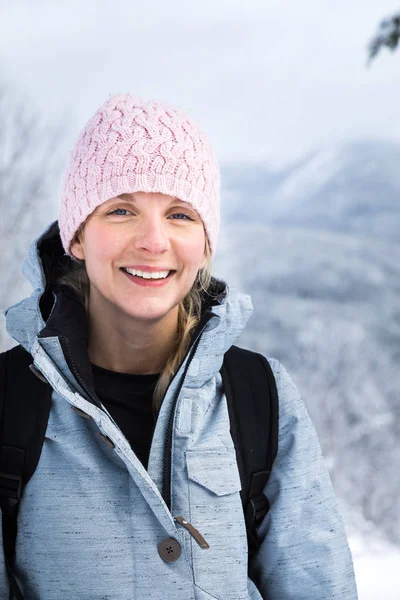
{"x": 267, "y": 79}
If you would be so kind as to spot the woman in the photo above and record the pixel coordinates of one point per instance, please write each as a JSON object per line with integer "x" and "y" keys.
{"x": 130, "y": 330}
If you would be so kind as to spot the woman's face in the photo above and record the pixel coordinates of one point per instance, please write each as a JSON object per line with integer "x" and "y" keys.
{"x": 131, "y": 237}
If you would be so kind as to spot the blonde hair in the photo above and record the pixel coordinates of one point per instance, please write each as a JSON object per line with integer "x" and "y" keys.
{"x": 189, "y": 313}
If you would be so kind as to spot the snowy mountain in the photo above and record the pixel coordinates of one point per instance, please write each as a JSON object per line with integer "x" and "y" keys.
{"x": 352, "y": 188}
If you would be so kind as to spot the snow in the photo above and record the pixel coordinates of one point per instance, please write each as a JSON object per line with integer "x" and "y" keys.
{"x": 377, "y": 569}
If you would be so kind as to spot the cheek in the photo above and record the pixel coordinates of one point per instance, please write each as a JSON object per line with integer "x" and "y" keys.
{"x": 193, "y": 252}
{"x": 105, "y": 246}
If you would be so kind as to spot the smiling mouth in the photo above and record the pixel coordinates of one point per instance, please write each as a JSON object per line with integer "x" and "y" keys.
{"x": 148, "y": 275}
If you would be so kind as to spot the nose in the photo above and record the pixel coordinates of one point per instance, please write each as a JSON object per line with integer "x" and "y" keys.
{"x": 150, "y": 236}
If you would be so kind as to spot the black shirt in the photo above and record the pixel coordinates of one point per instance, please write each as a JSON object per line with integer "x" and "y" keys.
{"x": 128, "y": 398}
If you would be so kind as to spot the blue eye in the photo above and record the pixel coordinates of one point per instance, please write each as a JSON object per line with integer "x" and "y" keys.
{"x": 119, "y": 212}
{"x": 180, "y": 215}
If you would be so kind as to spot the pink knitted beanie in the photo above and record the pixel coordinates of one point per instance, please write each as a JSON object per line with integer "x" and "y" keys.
{"x": 131, "y": 145}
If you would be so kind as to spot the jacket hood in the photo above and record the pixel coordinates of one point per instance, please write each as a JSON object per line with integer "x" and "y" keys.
{"x": 54, "y": 312}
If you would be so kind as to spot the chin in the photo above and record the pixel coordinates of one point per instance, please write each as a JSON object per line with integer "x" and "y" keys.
{"x": 148, "y": 313}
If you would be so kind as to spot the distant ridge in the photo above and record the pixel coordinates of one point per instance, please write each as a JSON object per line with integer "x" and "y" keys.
{"x": 352, "y": 187}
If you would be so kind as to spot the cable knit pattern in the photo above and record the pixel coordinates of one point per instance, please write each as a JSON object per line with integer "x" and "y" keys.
{"x": 133, "y": 145}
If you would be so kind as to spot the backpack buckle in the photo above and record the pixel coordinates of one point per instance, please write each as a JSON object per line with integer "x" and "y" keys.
{"x": 256, "y": 510}
{"x": 10, "y": 486}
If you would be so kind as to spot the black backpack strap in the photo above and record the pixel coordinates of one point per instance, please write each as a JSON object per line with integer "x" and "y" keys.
{"x": 25, "y": 401}
{"x": 252, "y": 400}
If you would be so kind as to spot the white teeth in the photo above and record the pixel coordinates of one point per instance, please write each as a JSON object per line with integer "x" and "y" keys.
{"x": 147, "y": 274}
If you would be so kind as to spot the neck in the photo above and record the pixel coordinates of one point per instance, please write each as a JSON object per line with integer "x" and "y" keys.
{"x": 128, "y": 346}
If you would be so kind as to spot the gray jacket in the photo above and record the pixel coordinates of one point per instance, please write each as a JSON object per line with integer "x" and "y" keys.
{"x": 93, "y": 523}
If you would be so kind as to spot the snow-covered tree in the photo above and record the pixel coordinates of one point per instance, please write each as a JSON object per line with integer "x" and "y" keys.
{"x": 31, "y": 152}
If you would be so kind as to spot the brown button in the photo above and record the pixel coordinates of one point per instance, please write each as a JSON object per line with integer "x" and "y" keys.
{"x": 169, "y": 550}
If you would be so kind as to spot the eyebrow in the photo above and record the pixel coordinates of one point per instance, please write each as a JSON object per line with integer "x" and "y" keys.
{"x": 131, "y": 198}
